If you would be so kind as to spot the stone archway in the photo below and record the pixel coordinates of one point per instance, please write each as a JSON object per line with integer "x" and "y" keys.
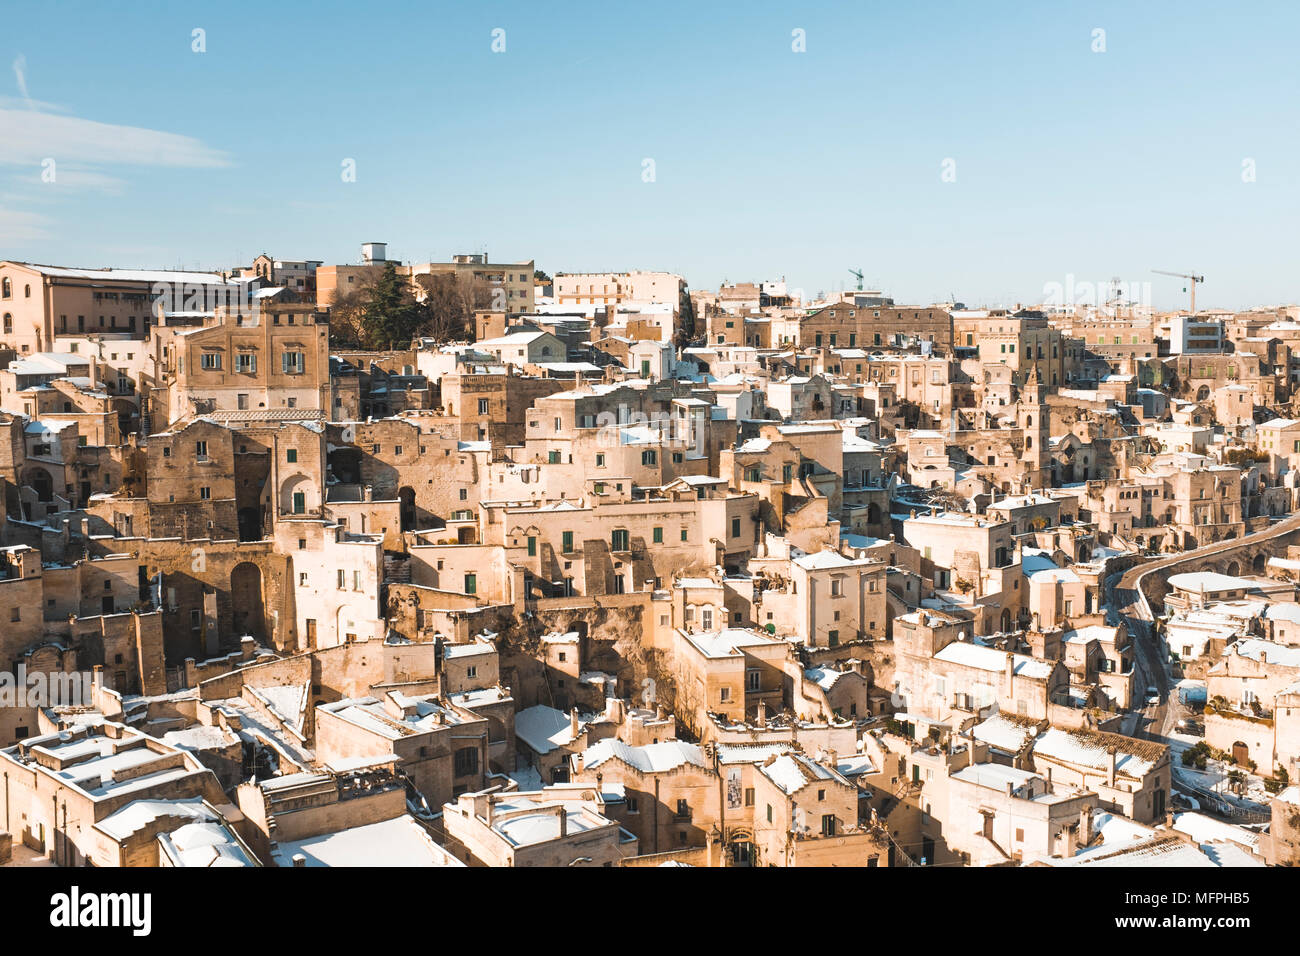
{"x": 246, "y": 600}
{"x": 298, "y": 495}
{"x": 39, "y": 480}
{"x": 1260, "y": 564}
{"x": 1233, "y": 569}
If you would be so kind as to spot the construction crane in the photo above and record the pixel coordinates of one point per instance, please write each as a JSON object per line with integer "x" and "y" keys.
{"x": 1193, "y": 279}
{"x": 858, "y": 274}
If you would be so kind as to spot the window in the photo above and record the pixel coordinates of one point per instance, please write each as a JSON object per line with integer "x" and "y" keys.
{"x": 246, "y": 362}
{"x": 600, "y": 461}
{"x": 205, "y": 493}
{"x": 293, "y": 363}
{"x": 724, "y": 694}
{"x": 302, "y": 579}
{"x": 482, "y": 406}
{"x": 683, "y": 810}
{"x": 735, "y": 527}
{"x": 749, "y": 796}
{"x": 828, "y": 825}
{"x": 532, "y": 546}
{"x": 210, "y": 361}
{"x": 658, "y": 535}
{"x": 291, "y": 455}
{"x": 201, "y": 450}
{"x": 566, "y": 542}
{"x": 618, "y": 540}
{"x": 343, "y": 579}
{"x": 649, "y": 457}
{"x": 471, "y": 584}
{"x": 466, "y": 761}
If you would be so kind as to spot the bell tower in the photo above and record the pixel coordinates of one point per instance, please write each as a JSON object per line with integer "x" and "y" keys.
{"x": 1032, "y": 415}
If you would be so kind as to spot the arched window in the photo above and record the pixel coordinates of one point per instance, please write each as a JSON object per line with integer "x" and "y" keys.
{"x": 27, "y": 291}
{"x": 6, "y": 288}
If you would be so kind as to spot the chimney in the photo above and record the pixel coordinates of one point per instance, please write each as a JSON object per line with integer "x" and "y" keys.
{"x": 1263, "y": 657}
{"x": 762, "y": 712}
{"x": 1085, "y": 825}
{"x": 564, "y": 821}
{"x": 1110, "y": 766}
{"x": 575, "y": 726}
{"x": 299, "y": 860}
{"x": 1011, "y": 671}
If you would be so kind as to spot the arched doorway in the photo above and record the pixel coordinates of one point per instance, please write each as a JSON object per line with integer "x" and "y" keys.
{"x": 39, "y": 480}
{"x": 1260, "y": 564}
{"x": 246, "y": 600}
{"x": 1241, "y": 754}
{"x": 297, "y": 495}
{"x": 1006, "y": 619}
{"x": 1233, "y": 569}
{"x": 406, "y": 495}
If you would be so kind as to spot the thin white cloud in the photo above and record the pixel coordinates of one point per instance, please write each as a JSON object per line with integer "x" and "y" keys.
{"x": 28, "y": 136}
{"x": 18, "y": 226}
{"x": 20, "y": 71}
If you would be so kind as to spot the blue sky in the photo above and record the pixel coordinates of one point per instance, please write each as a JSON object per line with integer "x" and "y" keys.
{"x": 768, "y": 162}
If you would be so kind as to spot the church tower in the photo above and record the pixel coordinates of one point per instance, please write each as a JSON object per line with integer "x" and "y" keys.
{"x": 1032, "y": 415}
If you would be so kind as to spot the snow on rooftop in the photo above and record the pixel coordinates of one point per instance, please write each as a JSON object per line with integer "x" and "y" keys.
{"x": 544, "y": 728}
{"x": 1256, "y": 650}
{"x": 1133, "y": 758}
{"x": 400, "y": 841}
{"x": 1203, "y": 582}
{"x": 650, "y": 758}
{"x": 792, "y": 772}
{"x": 988, "y": 659}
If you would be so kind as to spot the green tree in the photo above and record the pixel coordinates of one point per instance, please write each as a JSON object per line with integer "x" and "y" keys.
{"x": 390, "y": 316}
